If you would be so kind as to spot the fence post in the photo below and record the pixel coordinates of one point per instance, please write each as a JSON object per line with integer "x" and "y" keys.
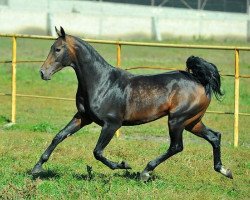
{"x": 119, "y": 46}
{"x": 13, "y": 92}
{"x": 118, "y": 64}
{"x": 236, "y": 99}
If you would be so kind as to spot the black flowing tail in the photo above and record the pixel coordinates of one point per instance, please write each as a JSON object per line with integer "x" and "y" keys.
{"x": 207, "y": 74}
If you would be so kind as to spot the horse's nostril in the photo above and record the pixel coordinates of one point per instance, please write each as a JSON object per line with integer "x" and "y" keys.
{"x": 41, "y": 73}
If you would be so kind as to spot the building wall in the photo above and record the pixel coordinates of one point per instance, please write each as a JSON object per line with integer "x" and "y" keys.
{"x": 98, "y": 19}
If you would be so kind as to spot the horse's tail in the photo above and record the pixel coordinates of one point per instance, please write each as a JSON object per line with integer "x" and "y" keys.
{"x": 207, "y": 74}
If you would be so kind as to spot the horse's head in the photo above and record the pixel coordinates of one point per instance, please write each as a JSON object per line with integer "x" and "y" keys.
{"x": 60, "y": 55}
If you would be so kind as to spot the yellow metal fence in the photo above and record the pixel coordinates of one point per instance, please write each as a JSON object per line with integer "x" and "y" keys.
{"x": 119, "y": 44}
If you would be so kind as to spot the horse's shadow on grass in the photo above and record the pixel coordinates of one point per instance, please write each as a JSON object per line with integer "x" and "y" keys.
{"x": 135, "y": 176}
{"x": 96, "y": 175}
{"x": 48, "y": 174}
{"x": 128, "y": 175}
{"x": 91, "y": 175}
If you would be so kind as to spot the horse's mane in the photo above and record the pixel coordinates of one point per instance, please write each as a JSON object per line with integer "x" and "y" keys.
{"x": 97, "y": 56}
{"x": 92, "y": 51}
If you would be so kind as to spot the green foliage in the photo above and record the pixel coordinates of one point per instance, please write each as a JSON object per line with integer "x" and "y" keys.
{"x": 4, "y": 119}
{"x": 43, "y": 127}
{"x": 27, "y": 191}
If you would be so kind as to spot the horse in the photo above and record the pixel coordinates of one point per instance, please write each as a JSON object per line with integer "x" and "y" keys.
{"x": 112, "y": 97}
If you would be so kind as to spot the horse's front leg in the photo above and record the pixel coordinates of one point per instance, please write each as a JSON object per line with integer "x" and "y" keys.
{"x": 106, "y": 135}
{"x": 73, "y": 126}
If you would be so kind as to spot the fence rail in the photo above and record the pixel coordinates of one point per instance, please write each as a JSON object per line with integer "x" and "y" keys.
{"x": 119, "y": 44}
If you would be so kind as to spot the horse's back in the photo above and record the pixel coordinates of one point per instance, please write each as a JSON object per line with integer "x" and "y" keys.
{"x": 153, "y": 96}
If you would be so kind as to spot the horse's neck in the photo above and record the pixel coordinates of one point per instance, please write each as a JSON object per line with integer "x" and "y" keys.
{"x": 90, "y": 75}
{"x": 91, "y": 69}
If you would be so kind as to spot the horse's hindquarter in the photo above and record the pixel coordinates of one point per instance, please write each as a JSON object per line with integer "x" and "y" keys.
{"x": 152, "y": 97}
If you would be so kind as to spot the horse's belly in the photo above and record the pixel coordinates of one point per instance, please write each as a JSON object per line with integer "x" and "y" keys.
{"x": 140, "y": 114}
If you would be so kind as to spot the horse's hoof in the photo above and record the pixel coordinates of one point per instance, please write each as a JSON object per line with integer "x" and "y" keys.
{"x": 226, "y": 172}
{"x": 124, "y": 165}
{"x": 37, "y": 170}
{"x": 144, "y": 176}
{"x": 229, "y": 174}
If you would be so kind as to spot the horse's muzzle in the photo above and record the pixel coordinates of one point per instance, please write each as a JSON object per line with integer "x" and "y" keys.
{"x": 43, "y": 76}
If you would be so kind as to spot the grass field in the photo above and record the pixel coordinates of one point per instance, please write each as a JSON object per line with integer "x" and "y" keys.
{"x": 188, "y": 175}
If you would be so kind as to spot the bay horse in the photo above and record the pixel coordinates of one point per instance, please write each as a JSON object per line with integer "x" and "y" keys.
{"x": 112, "y": 97}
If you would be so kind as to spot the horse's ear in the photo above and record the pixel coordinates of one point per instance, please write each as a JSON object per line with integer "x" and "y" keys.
{"x": 58, "y": 32}
{"x": 62, "y": 32}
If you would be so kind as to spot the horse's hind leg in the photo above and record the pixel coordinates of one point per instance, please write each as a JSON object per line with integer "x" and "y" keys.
{"x": 214, "y": 138}
{"x": 73, "y": 126}
{"x": 176, "y": 146}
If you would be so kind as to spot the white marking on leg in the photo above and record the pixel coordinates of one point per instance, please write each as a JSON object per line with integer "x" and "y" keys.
{"x": 144, "y": 176}
{"x": 223, "y": 170}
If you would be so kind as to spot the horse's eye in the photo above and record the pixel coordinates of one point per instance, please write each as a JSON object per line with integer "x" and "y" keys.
{"x": 57, "y": 49}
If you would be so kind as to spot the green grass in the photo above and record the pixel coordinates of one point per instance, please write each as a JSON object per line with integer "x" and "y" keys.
{"x": 188, "y": 175}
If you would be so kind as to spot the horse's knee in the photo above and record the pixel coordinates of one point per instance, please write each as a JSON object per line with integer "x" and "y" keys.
{"x": 45, "y": 157}
{"x": 176, "y": 148}
{"x": 218, "y": 138}
{"x": 57, "y": 139}
{"x": 214, "y": 138}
